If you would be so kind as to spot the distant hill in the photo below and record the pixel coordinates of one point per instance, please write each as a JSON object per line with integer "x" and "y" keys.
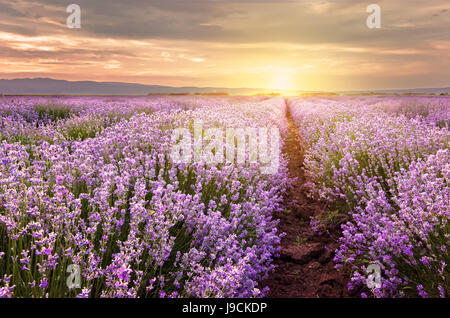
{"x": 48, "y": 86}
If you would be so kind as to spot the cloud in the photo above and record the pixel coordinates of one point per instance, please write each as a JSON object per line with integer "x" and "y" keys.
{"x": 230, "y": 21}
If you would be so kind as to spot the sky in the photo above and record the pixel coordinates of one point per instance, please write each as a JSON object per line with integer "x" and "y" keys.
{"x": 298, "y": 45}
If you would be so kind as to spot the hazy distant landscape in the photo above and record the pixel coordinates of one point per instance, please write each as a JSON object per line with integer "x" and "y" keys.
{"x": 47, "y": 86}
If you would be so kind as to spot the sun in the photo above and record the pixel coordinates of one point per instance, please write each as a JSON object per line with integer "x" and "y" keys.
{"x": 281, "y": 80}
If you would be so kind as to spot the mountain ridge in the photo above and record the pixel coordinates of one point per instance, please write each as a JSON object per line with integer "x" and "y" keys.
{"x": 49, "y": 86}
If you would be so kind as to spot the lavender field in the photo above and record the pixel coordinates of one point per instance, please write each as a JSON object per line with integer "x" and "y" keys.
{"x": 88, "y": 183}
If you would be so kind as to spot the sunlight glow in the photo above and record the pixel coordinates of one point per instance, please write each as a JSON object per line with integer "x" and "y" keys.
{"x": 281, "y": 81}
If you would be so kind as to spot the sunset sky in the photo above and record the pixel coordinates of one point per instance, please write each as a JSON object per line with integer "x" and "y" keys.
{"x": 304, "y": 45}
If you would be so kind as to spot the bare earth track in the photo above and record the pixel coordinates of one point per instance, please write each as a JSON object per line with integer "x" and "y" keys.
{"x": 305, "y": 267}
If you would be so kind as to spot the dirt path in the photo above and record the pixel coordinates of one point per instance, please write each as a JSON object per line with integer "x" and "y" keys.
{"x": 305, "y": 267}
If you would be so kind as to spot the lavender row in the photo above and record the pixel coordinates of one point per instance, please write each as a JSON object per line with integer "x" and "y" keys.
{"x": 132, "y": 221}
{"x": 382, "y": 166}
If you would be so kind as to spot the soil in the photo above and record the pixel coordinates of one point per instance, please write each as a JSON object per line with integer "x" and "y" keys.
{"x": 305, "y": 268}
